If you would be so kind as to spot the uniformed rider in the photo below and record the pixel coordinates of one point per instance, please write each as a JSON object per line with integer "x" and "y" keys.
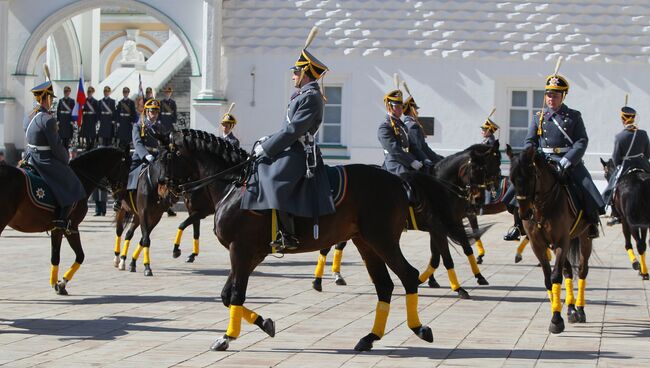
{"x": 416, "y": 135}
{"x": 290, "y": 175}
{"x": 631, "y": 151}
{"x": 145, "y": 136}
{"x": 487, "y": 131}
{"x": 47, "y": 154}
{"x": 228, "y": 123}
{"x": 560, "y": 134}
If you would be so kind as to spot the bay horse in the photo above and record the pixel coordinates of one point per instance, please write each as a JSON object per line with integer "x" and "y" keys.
{"x": 631, "y": 200}
{"x": 551, "y": 220}
{"x": 19, "y": 213}
{"x": 375, "y": 226}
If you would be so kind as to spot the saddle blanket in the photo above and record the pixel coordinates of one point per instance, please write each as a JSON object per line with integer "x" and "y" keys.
{"x": 39, "y": 192}
{"x": 338, "y": 179}
{"x": 496, "y": 196}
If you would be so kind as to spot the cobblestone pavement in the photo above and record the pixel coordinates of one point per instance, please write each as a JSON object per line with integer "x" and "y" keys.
{"x": 120, "y": 319}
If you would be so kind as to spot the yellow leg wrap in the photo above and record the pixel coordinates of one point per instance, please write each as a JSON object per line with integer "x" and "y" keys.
{"x": 522, "y": 245}
{"x": 195, "y": 246}
{"x": 556, "y": 304}
{"x": 550, "y": 296}
{"x": 136, "y": 252}
{"x": 427, "y": 273}
{"x": 336, "y": 262}
{"x": 644, "y": 266}
{"x": 412, "y": 318}
{"x": 249, "y": 315}
{"x": 179, "y": 235}
{"x": 630, "y": 253}
{"x": 381, "y": 316}
{"x": 125, "y": 247}
{"x": 147, "y": 260}
{"x": 320, "y": 266}
{"x": 481, "y": 249}
{"x": 582, "y": 284}
{"x": 473, "y": 264}
{"x": 234, "y": 326}
{"x": 118, "y": 242}
{"x": 54, "y": 274}
{"x": 568, "y": 287}
{"x": 69, "y": 274}
{"x": 453, "y": 279}
{"x": 549, "y": 254}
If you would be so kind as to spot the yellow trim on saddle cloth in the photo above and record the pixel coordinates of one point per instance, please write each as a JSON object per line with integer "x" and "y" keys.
{"x": 274, "y": 228}
{"x": 413, "y": 222}
{"x": 575, "y": 224}
{"x": 132, "y": 202}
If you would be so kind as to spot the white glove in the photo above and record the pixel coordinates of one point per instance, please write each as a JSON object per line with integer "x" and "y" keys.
{"x": 262, "y": 139}
{"x": 258, "y": 151}
{"x": 565, "y": 163}
{"x": 417, "y": 165}
{"x": 149, "y": 158}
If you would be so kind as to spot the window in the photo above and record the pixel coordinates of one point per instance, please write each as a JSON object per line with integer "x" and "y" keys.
{"x": 330, "y": 130}
{"x": 524, "y": 104}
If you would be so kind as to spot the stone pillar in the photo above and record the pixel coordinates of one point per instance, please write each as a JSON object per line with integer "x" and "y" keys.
{"x": 211, "y": 50}
{"x": 4, "y": 55}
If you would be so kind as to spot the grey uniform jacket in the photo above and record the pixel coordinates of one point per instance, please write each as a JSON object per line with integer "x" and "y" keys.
{"x": 64, "y": 117}
{"x": 418, "y": 142}
{"x": 107, "y": 117}
{"x": 126, "y": 116}
{"x": 143, "y": 146}
{"x": 232, "y": 139}
{"x": 489, "y": 140}
{"x": 397, "y": 158}
{"x": 90, "y": 118}
{"x": 638, "y": 154}
{"x": 52, "y": 163}
{"x": 279, "y": 179}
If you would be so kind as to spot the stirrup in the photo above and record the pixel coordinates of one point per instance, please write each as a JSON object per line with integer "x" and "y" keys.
{"x": 284, "y": 241}
{"x": 513, "y": 234}
{"x": 613, "y": 221}
{"x": 63, "y": 225}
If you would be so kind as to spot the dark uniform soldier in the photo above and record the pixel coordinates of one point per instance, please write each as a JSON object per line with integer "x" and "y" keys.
{"x": 631, "y": 151}
{"x": 394, "y": 138}
{"x": 50, "y": 158}
{"x": 228, "y": 123}
{"x": 145, "y": 141}
{"x": 416, "y": 135}
{"x": 168, "y": 109}
{"x": 126, "y": 116}
{"x": 487, "y": 130}
{"x": 560, "y": 134}
{"x": 64, "y": 117}
{"x": 148, "y": 94}
{"x": 90, "y": 119}
{"x": 107, "y": 119}
{"x": 288, "y": 179}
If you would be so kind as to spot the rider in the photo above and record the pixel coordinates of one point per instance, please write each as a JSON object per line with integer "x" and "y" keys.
{"x": 50, "y": 158}
{"x": 145, "y": 141}
{"x": 399, "y": 157}
{"x": 287, "y": 159}
{"x": 416, "y": 135}
{"x": 487, "y": 130}
{"x": 228, "y": 123}
{"x": 560, "y": 134}
{"x": 631, "y": 151}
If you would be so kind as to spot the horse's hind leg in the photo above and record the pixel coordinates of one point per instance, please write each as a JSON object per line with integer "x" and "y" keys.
{"x": 317, "y": 284}
{"x": 196, "y": 227}
{"x": 336, "y": 264}
{"x": 520, "y": 249}
{"x": 627, "y": 235}
{"x": 265, "y": 324}
{"x": 641, "y": 246}
{"x": 467, "y": 249}
{"x": 570, "y": 299}
{"x": 75, "y": 243}
{"x": 473, "y": 221}
{"x": 55, "y": 259}
{"x": 179, "y": 233}
{"x": 585, "y": 253}
{"x": 127, "y": 242}
{"x": 150, "y": 217}
{"x": 119, "y": 229}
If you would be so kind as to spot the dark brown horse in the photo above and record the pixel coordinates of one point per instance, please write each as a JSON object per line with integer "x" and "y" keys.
{"x": 551, "y": 220}
{"x": 631, "y": 200}
{"x": 18, "y": 211}
{"x": 374, "y": 225}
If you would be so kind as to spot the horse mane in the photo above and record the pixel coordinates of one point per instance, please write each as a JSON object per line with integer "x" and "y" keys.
{"x": 90, "y": 156}
{"x": 200, "y": 141}
{"x": 451, "y": 161}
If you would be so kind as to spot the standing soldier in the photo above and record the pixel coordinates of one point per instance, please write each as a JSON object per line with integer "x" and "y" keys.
{"x": 107, "y": 119}
{"x": 64, "y": 117}
{"x": 228, "y": 123}
{"x": 168, "y": 110}
{"x": 126, "y": 116}
{"x": 148, "y": 94}
{"x": 89, "y": 121}
{"x": 416, "y": 135}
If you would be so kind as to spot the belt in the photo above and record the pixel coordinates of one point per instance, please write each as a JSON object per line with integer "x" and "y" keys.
{"x": 124, "y": 114}
{"x": 165, "y": 113}
{"x": 406, "y": 150}
{"x": 39, "y": 148}
{"x": 556, "y": 149}
{"x": 107, "y": 113}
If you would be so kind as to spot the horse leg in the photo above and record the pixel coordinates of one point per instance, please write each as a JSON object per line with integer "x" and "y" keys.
{"x": 336, "y": 264}
{"x": 317, "y": 284}
{"x": 520, "y": 249}
{"x": 127, "y": 242}
{"x": 627, "y": 235}
{"x": 539, "y": 248}
{"x": 179, "y": 234}
{"x": 119, "y": 229}
{"x": 196, "y": 227}
{"x": 434, "y": 263}
{"x": 585, "y": 253}
{"x": 150, "y": 220}
{"x": 641, "y": 246}
{"x": 569, "y": 300}
{"x": 265, "y": 324}
{"x": 55, "y": 258}
{"x": 467, "y": 249}
{"x": 557, "y": 322}
{"x": 473, "y": 221}
{"x": 75, "y": 243}
{"x": 448, "y": 262}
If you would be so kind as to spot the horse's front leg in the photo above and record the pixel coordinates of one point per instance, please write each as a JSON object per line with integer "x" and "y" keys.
{"x": 585, "y": 252}
{"x": 55, "y": 259}
{"x": 149, "y": 219}
{"x": 557, "y": 322}
{"x": 473, "y": 221}
{"x": 75, "y": 243}
{"x": 641, "y": 247}
{"x": 627, "y": 235}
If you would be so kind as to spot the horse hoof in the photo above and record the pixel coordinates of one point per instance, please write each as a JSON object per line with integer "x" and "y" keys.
{"x": 433, "y": 283}
{"x": 221, "y": 344}
{"x": 116, "y": 261}
{"x": 481, "y": 280}
{"x": 59, "y": 287}
{"x": 268, "y": 326}
{"x": 479, "y": 260}
{"x": 462, "y": 293}
{"x": 557, "y": 324}
{"x": 148, "y": 272}
{"x": 317, "y": 284}
{"x": 122, "y": 265}
{"x": 645, "y": 276}
{"x": 132, "y": 266}
{"x": 365, "y": 344}
{"x": 190, "y": 258}
{"x": 424, "y": 332}
{"x": 518, "y": 258}
{"x": 571, "y": 314}
{"x": 635, "y": 265}
{"x": 339, "y": 280}
{"x": 582, "y": 317}
{"x": 177, "y": 251}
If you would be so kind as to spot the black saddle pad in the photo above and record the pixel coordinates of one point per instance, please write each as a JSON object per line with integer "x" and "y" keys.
{"x": 338, "y": 179}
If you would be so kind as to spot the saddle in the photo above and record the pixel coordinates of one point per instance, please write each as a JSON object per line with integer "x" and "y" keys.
{"x": 38, "y": 191}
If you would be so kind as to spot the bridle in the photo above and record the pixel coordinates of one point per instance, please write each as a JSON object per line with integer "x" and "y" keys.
{"x": 538, "y": 199}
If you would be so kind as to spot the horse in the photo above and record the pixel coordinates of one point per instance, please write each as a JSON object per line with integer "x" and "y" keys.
{"x": 375, "y": 227}
{"x": 21, "y": 214}
{"x": 317, "y": 283}
{"x": 551, "y": 220}
{"x": 631, "y": 202}
{"x": 199, "y": 206}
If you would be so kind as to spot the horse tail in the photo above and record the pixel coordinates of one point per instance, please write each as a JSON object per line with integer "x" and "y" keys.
{"x": 635, "y": 200}
{"x": 573, "y": 256}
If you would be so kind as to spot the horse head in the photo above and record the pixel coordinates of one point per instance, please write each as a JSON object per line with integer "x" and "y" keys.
{"x": 608, "y": 167}
{"x": 484, "y": 167}
{"x": 523, "y": 178}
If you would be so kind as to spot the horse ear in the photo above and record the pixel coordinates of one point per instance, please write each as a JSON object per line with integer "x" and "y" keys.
{"x": 603, "y": 162}
{"x": 495, "y": 145}
{"x": 509, "y": 151}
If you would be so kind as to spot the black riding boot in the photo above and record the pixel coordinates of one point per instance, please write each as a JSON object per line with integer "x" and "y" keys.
{"x": 286, "y": 239}
{"x": 517, "y": 229}
{"x": 593, "y": 225}
{"x": 61, "y": 218}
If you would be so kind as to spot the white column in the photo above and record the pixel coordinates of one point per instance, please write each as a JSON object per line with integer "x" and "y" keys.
{"x": 95, "y": 61}
{"x": 211, "y": 50}
{"x": 4, "y": 30}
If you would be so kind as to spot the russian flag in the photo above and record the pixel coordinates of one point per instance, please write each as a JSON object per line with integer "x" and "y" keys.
{"x": 77, "y": 112}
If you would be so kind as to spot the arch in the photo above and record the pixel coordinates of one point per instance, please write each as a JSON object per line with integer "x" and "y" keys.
{"x": 26, "y": 59}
